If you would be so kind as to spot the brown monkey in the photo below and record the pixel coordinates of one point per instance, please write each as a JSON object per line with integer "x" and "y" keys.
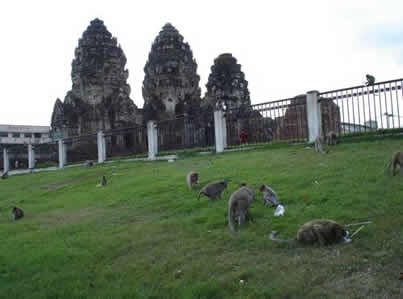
{"x": 192, "y": 179}
{"x": 213, "y": 190}
{"x": 269, "y": 196}
{"x": 18, "y": 213}
{"x": 238, "y": 205}
{"x": 320, "y": 231}
{"x": 4, "y": 175}
{"x": 397, "y": 159}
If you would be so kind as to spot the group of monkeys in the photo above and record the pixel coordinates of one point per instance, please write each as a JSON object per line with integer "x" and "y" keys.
{"x": 321, "y": 231}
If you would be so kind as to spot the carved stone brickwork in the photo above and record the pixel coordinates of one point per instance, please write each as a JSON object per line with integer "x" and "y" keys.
{"x": 171, "y": 84}
{"x": 227, "y": 83}
{"x": 100, "y": 95}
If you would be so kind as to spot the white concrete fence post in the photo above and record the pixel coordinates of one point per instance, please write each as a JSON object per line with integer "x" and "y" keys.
{"x": 31, "y": 156}
{"x": 152, "y": 137}
{"x": 62, "y": 153}
{"x": 219, "y": 130}
{"x": 6, "y": 161}
{"x": 101, "y": 145}
{"x": 313, "y": 115}
{"x": 224, "y": 131}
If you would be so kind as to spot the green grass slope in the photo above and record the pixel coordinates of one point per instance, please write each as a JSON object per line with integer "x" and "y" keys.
{"x": 146, "y": 236}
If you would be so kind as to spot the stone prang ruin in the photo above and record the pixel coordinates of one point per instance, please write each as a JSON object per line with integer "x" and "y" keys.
{"x": 100, "y": 95}
{"x": 171, "y": 84}
{"x": 226, "y": 83}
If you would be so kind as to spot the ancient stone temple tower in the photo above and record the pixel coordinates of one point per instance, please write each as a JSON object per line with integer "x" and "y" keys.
{"x": 171, "y": 84}
{"x": 100, "y": 95}
{"x": 227, "y": 83}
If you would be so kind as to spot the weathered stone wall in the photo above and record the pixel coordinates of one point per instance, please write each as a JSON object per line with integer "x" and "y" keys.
{"x": 100, "y": 95}
{"x": 171, "y": 84}
{"x": 226, "y": 83}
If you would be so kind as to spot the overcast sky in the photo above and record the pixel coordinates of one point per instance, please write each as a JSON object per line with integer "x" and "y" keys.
{"x": 285, "y": 47}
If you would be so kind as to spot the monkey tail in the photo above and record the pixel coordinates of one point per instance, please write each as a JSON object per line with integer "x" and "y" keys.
{"x": 231, "y": 224}
{"x": 387, "y": 167}
{"x": 273, "y": 237}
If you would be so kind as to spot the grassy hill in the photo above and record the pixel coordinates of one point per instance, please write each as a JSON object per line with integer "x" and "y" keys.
{"x": 146, "y": 236}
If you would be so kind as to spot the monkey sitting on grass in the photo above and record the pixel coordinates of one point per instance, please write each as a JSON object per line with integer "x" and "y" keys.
{"x": 238, "y": 205}
{"x": 269, "y": 196}
{"x": 18, "y": 213}
{"x": 397, "y": 159}
{"x": 321, "y": 232}
{"x": 192, "y": 179}
{"x": 329, "y": 139}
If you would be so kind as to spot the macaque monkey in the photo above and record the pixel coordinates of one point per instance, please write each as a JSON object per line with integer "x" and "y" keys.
{"x": 331, "y": 138}
{"x": 319, "y": 141}
{"x": 192, "y": 179}
{"x": 370, "y": 80}
{"x": 269, "y": 196}
{"x": 321, "y": 231}
{"x": 213, "y": 190}
{"x": 238, "y": 205}
{"x": 18, "y": 213}
{"x": 4, "y": 175}
{"x": 397, "y": 159}
{"x": 104, "y": 181}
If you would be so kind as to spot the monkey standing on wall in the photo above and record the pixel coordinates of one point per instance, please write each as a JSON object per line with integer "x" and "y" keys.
{"x": 18, "y": 213}
{"x": 213, "y": 190}
{"x": 192, "y": 179}
{"x": 321, "y": 231}
{"x": 238, "y": 205}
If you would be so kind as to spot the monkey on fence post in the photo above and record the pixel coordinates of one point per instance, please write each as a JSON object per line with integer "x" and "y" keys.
{"x": 18, "y": 213}
{"x": 192, "y": 179}
{"x": 238, "y": 205}
{"x": 321, "y": 231}
{"x": 370, "y": 80}
{"x": 213, "y": 190}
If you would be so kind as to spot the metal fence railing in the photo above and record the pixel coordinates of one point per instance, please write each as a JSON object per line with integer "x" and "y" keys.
{"x": 186, "y": 132}
{"x": 124, "y": 142}
{"x": 81, "y": 148}
{"x": 365, "y": 108}
{"x": 266, "y": 122}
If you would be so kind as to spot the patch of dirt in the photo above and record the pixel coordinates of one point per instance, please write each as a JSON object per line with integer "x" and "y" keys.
{"x": 54, "y": 186}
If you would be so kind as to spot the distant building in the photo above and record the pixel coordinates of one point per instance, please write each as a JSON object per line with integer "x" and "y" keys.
{"x": 15, "y": 134}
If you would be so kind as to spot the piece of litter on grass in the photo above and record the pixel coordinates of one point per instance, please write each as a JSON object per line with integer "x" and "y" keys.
{"x": 279, "y": 211}
{"x": 316, "y": 182}
{"x": 242, "y": 281}
{"x": 171, "y": 160}
{"x": 307, "y": 147}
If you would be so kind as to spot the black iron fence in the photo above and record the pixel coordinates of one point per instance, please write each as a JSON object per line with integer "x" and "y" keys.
{"x": 364, "y": 108}
{"x": 46, "y": 154}
{"x": 81, "y": 148}
{"x": 186, "y": 132}
{"x": 283, "y": 120}
{"x": 124, "y": 142}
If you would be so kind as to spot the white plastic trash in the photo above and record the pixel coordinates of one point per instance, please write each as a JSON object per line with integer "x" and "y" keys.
{"x": 279, "y": 211}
